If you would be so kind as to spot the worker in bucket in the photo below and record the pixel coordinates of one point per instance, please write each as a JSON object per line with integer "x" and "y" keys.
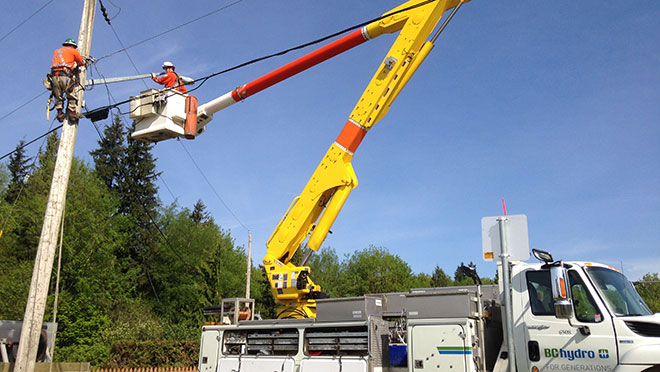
{"x": 171, "y": 79}
{"x": 67, "y": 62}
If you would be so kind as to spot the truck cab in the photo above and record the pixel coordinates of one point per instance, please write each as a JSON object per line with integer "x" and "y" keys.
{"x": 609, "y": 326}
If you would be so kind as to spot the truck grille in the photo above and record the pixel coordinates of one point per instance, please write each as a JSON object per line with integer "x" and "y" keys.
{"x": 644, "y": 329}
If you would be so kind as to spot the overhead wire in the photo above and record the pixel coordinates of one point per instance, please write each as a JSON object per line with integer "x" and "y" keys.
{"x": 31, "y": 142}
{"x": 23, "y": 105}
{"x": 123, "y": 48}
{"x": 20, "y": 191}
{"x": 25, "y": 20}
{"x": 241, "y": 65}
{"x": 170, "y": 30}
{"x": 152, "y": 220}
{"x": 126, "y": 51}
{"x": 204, "y": 79}
{"x": 167, "y": 187}
{"x": 211, "y": 186}
{"x": 186, "y": 150}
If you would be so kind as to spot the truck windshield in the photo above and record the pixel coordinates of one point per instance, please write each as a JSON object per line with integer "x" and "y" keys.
{"x": 620, "y": 295}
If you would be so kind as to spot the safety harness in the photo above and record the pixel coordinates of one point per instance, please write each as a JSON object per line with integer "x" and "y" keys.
{"x": 59, "y": 69}
{"x": 62, "y": 68}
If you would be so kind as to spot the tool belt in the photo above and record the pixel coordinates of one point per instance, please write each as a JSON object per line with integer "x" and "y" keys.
{"x": 60, "y": 72}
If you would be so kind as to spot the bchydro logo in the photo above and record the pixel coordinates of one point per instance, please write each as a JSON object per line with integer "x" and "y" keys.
{"x": 575, "y": 354}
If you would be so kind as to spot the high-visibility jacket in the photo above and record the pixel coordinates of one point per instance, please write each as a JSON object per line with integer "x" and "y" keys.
{"x": 172, "y": 80}
{"x": 67, "y": 58}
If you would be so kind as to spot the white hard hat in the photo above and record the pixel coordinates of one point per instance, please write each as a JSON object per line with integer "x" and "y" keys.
{"x": 167, "y": 64}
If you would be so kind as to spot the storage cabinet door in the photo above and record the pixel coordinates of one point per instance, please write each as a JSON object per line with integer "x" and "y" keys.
{"x": 438, "y": 348}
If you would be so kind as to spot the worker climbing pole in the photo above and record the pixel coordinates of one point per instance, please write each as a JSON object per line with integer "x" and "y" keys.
{"x": 43, "y": 265}
{"x": 64, "y": 79}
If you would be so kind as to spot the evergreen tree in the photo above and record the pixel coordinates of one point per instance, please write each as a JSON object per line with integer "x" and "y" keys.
{"x": 195, "y": 265}
{"x": 108, "y": 157}
{"x": 31, "y": 206}
{"x": 18, "y": 172}
{"x": 127, "y": 168}
{"x": 139, "y": 192}
{"x": 48, "y": 156}
{"x": 4, "y": 179}
{"x": 200, "y": 215}
{"x": 460, "y": 278}
{"x": 439, "y": 278}
{"x": 458, "y": 274}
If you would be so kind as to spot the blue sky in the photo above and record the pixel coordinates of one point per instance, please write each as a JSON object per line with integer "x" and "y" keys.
{"x": 553, "y": 106}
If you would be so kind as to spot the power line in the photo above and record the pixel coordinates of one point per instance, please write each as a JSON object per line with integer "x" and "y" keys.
{"x": 280, "y": 53}
{"x": 32, "y": 166}
{"x": 167, "y": 187}
{"x": 28, "y": 143}
{"x": 124, "y": 48}
{"x": 146, "y": 210}
{"x": 126, "y": 51}
{"x": 27, "y": 19}
{"x": 23, "y": 105}
{"x": 206, "y": 78}
{"x": 171, "y": 29}
{"x": 211, "y": 186}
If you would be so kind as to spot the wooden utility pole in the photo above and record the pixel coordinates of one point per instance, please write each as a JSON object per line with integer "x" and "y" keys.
{"x": 248, "y": 274}
{"x": 43, "y": 264}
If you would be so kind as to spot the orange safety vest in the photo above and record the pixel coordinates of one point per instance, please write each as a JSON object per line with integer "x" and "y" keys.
{"x": 172, "y": 80}
{"x": 67, "y": 58}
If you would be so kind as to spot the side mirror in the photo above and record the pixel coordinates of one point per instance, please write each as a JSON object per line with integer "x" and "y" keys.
{"x": 560, "y": 294}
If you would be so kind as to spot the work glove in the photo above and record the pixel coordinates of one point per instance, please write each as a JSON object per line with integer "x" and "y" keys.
{"x": 81, "y": 69}
{"x": 153, "y": 75}
{"x": 90, "y": 60}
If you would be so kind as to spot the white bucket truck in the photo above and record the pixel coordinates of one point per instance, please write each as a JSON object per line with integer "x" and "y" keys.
{"x": 564, "y": 316}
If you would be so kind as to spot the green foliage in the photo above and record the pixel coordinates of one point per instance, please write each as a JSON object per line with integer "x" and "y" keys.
{"x": 421, "y": 280}
{"x": 375, "y": 270}
{"x": 195, "y": 265}
{"x": 133, "y": 271}
{"x": 108, "y": 157}
{"x": 4, "y": 179}
{"x": 130, "y": 354}
{"x": 439, "y": 278}
{"x": 327, "y": 271}
{"x": 14, "y": 291}
{"x": 260, "y": 291}
{"x": 650, "y": 292}
{"x": 200, "y": 215}
{"x": 18, "y": 171}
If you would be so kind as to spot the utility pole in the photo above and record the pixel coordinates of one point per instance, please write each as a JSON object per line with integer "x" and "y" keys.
{"x": 248, "y": 274}
{"x": 43, "y": 264}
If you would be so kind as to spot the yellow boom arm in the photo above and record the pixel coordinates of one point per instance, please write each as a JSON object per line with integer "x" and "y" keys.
{"x": 313, "y": 212}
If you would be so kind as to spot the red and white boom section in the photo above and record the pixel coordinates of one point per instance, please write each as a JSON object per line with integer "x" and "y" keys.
{"x": 184, "y": 118}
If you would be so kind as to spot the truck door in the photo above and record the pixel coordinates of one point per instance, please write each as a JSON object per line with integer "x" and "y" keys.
{"x": 552, "y": 344}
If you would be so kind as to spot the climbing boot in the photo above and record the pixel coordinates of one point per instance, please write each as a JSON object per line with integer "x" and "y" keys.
{"x": 73, "y": 116}
{"x": 60, "y": 115}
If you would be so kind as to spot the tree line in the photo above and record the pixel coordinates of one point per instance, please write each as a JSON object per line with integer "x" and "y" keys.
{"x": 133, "y": 269}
